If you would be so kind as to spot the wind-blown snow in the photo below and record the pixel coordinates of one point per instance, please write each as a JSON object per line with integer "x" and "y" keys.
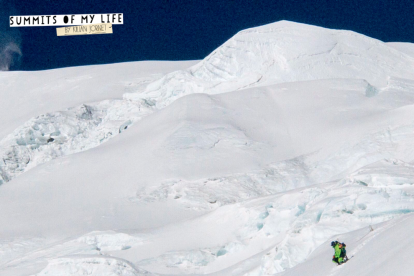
{"x": 285, "y": 137}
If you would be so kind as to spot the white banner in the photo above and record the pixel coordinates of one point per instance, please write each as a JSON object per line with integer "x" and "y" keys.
{"x": 65, "y": 20}
{"x": 85, "y": 30}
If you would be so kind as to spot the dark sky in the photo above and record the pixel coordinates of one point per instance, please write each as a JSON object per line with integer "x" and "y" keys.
{"x": 184, "y": 30}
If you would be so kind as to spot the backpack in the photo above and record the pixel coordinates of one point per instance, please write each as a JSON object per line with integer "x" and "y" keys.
{"x": 343, "y": 250}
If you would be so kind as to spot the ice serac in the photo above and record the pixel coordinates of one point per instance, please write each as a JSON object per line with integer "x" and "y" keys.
{"x": 282, "y": 52}
{"x": 53, "y": 113}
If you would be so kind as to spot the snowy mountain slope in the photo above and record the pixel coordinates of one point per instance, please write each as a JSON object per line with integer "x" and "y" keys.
{"x": 281, "y": 229}
{"x": 279, "y": 52}
{"x": 384, "y": 251}
{"x": 228, "y": 136}
{"x": 404, "y": 47}
{"x": 67, "y": 106}
{"x": 283, "y": 52}
{"x": 213, "y": 136}
{"x": 248, "y": 182}
{"x": 29, "y": 94}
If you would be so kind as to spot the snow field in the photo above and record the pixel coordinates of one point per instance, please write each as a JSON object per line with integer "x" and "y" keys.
{"x": 313, "y": 141}
{"x": 283, "y": 229}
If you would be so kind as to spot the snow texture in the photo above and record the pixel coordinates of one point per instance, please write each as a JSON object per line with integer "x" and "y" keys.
{"x": 248, "y": 162}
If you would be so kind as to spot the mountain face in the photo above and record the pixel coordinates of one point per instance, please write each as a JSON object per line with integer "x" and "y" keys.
{"x": 284, "y": 52}
{"x": 245, "y": 163}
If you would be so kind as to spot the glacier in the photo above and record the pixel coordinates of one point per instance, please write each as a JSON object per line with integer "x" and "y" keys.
{"x": 248, "y": 162}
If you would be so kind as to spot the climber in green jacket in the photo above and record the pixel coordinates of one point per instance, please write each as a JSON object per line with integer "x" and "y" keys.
{"x": 337, "y": 258}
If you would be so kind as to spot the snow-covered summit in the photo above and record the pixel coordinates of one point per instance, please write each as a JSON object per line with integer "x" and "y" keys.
{"x": 283, "y": 52}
